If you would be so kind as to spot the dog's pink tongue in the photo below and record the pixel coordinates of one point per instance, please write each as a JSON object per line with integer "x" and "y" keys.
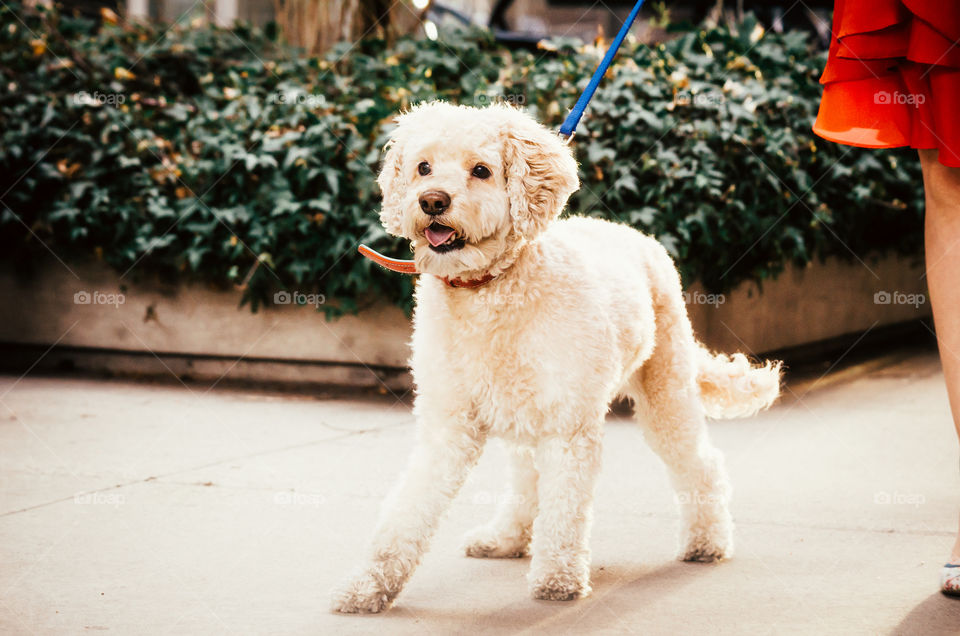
{"x": 439, "y": 235}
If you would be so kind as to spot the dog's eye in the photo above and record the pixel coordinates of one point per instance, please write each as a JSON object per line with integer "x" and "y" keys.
{"x": 480, "y": 171}
{"x": 423, "y": 168}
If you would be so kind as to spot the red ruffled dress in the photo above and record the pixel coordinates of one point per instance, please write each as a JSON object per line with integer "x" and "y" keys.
{"x": 893, "y": 76}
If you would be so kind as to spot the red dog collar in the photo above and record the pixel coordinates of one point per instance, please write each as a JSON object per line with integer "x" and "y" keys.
{"x": 468, "y": 284}
{"x": 410, "y": 267}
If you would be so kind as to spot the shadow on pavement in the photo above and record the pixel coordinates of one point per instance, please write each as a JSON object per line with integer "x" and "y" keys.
{"x": 937, "y": 614}
{"x": 613, "y": 588}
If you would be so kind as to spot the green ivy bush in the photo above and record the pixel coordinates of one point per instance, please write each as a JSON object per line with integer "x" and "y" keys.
{"x": 217, "y": 155}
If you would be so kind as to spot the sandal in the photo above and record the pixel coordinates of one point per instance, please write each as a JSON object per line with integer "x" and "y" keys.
{"x": 950, "y": 579}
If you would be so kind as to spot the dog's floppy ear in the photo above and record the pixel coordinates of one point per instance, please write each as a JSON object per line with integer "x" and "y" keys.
{"x": 391, "y": 184}
{"x": 540, "y": 170}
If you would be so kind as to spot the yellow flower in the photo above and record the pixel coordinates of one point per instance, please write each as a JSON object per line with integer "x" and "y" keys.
{"x": 66, "y": 168}
{"x": 123, "y": 74}
{"x": 108, "y": 16}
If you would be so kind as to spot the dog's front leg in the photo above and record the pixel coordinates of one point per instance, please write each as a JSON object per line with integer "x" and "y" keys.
{"x": 444, "y": 455}
{"x": 568, "y": 469}
{"x": 508, "y": 535}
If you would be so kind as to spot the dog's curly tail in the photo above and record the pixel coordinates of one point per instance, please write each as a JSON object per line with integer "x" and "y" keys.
{"x": 730, "y": 386}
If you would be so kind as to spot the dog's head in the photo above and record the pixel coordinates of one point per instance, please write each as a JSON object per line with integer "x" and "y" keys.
{"x": 464, "y": 185}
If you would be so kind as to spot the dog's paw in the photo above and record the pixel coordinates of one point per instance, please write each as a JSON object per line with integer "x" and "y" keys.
{"x": 363, "y": 595}
{"x": 707, "y": 547}
{"x": 486, "y": 543}
{"x": 560, "y": 586}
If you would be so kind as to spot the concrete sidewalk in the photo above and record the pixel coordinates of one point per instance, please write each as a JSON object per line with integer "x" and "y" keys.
{"x": 149, "y": 509}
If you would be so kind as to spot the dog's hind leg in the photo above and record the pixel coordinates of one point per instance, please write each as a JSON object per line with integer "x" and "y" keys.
{"x": 568, "y": 468}
{"x": 667, "y": 403}
{"x": 508, "y": 535}
{"x": 446, "y": 451}
{"x": 677, "y": 432}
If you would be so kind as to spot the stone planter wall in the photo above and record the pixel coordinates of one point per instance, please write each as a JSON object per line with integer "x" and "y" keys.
{"x": 201, "y": 332}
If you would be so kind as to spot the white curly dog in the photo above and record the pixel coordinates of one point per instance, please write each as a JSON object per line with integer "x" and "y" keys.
{"x": 526, "y": 329}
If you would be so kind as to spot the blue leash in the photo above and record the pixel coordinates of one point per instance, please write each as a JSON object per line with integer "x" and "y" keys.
{"x": 569, "y": 126}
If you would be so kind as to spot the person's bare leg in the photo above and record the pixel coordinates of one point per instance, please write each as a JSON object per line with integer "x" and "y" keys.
{"x": 942, "y": 237}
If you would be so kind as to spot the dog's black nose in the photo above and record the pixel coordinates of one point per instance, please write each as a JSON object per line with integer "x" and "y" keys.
{"x": 434, "y": 202}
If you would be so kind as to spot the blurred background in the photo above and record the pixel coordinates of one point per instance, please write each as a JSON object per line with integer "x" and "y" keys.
{"x": 184, "y": 184}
